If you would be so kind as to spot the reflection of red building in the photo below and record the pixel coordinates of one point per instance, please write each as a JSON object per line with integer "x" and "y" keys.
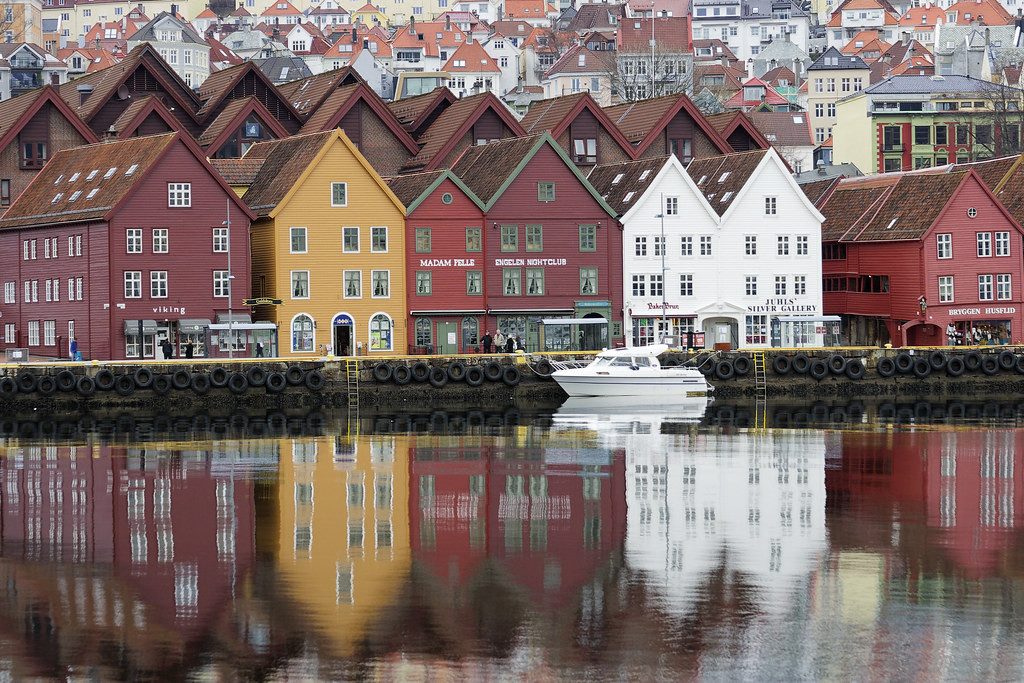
{"x": 968, "y": 486}
{"x": 547, "y": 526}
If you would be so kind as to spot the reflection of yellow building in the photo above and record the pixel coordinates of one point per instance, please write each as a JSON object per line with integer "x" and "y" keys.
{"x": 344, "y": 537}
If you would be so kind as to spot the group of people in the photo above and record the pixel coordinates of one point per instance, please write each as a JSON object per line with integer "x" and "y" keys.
{"x": 500, "y": 342}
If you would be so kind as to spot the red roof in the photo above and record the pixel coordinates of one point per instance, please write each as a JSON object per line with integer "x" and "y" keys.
{"x": 471, "y": 58}
{"x": 671, "y": 35}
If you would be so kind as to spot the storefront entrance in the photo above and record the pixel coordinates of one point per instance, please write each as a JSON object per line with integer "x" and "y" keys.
{"x": 343, "y": 328}
{"x": 447, "y": 338}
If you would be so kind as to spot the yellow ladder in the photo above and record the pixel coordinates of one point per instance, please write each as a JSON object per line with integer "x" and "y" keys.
{"x": 352, "y": 388}
{"x": 760, "y": 391}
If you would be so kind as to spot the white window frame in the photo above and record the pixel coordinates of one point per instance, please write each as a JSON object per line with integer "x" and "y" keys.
{"x": 179, "y": 195}
{"x": 344, "y": 191}
{"x": 161, "y": 240}
{"x": 1002, "y": 243}
{"x": 292, "y": 282}
{"x": 945, "y": 289}
{"x": 771, "y": 206}
{"x": 944, "y": 245}
{"x": 1004, "y": 286}
{"x": 984, "y": 244}
{"x": 985, "y": 292}
{"x": 299, "y": 232}
{"x": 221, "y": 283}
{"x": 159, "y": 287}
{"x": 374, "y": 275}
{"x": 344, "y": 231}
{"x": 346, "y": 279}
{"x": 133, "y": 240}
{"x": 375, "y": 232}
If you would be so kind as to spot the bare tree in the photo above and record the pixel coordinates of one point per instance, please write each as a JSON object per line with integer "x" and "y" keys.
{"x": 661, "y": 70}
{"x": 989, "y": 122}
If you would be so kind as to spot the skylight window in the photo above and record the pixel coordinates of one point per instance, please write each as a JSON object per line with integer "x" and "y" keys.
{"x": 75, "y": 195}
{"x": 629, "y": 195}
{"x": 726, "y": 197}
{"x": 59, "y": 178}
{"x": 110, "y": 173}
{"x": 722, "y": 178}
{"x": 618, "y": 177}
{"x": 131, "y": 169}
{"x": 74, "y": 177}
{"x": 57, "y": 197}
{"x": 92, "y": 193}
{"x": 643, "y": 176}
{"x": 702, "y": 179}
{"x": 92, "y": 174}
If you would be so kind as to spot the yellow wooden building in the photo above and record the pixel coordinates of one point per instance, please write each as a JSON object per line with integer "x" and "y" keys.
{"x": 328, "y": 244}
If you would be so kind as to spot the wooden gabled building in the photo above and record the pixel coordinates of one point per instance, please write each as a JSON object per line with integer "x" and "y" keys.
{"x": 581, "y": 128}
{"x": 667, "y": 125}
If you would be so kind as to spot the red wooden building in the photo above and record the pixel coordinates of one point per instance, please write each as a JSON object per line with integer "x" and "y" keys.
{"x": 119, "y": 245}
{"x": 445, "y": 262}
{"x": 553, "y": 246}
{"x": 922, "y": 259}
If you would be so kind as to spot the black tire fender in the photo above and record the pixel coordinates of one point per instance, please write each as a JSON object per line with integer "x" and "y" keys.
{"x": 200, "y": 383}
{"x": 275, "y": 383}
{"x": 724, "y": 370}
{"x": 922, "y": 368}
{"x": 438, "y": 377}
{"x": 781, "y": 365}
{"x": 543, "y": 367}
{"x": 401, "y": 374}
{"x": 511, "y": 375}
{"x": 938, "y": 359}
{"x": 457, "y": 371}
{"x": 143, "y": 378}
{"x": 837, "y": 364}
{"x": 294, "y": 375}
{"x": 474, "y": 375}
{"x": 382, "y": 372}
{"x": 904, "y": 362}
{"x": 972, "y": 361}
{"x": 420, "y": 371}
{"x": 46, "y": 385}
{"x": 124, "y": 385}
{"x": 801, "y": 364}
{"x": 742, "y": 365}
{"x": 219, "y": 377}
{"x": 161, "y": 384}
{"x": 1006, "y": 359}
{"x": 955, "y": 366}
{"x": 26, "y": 381}
{"x": 315, "y": 380}
{"x": 886, "y": 367}
{"x": 818, "y": 369}
{"x": 66, "y": 380}
{"x": 493, "y": 371}
{"x": 181, "y": 379}
{"x": 855, "y": 369}
{"x": 990, "y": 364}
{"x": 85, "y": 386}
{"x": 237, "y": 383}
{"x": 256, "y": 375}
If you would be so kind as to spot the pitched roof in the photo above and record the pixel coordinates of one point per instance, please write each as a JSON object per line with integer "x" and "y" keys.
{"x": 771, "y": 95}
{"x": 622, "y": 183}
{"x": 307, "y": 94}
{"x": 238, "y": 171}
{"x": 138, "y": 112}
{"x": 411, "y": 110}
{"x": 232, "y": 116}
{"x": 817, "y": 189}
{"x": 17, "y": 111}
{"x": 579, "y": 59}
{"x": 671, "y": 34}
{"x": 342, "y": 100}
{"x": 413, "y": 188}
{"x": 727, "y": 123}
{"x": 471, "y": 58}
{"x": 87, "y": 183}
{"x": 721, "y": 178}
{"x": 637, "y": 120}
{"x": 556, "y": 114}
{"x": 783, "y": 128}
{"x": 455, "y": 121}
{"x": 833, "y": 59}
{"x": 284, "y": 162}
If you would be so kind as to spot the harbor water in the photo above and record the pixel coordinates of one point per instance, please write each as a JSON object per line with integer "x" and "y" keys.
{"x": 567, "y": 542}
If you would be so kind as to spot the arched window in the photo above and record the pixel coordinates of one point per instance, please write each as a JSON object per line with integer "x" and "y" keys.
{"x": 380, "y": 332}
{"x": 423, "y": 332}
{"x": 303, "y": 333}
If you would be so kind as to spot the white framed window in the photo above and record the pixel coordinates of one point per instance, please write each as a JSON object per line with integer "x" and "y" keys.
{"x": 1003, "y": 286}
{"x": 53, "y": 247}
{"x": 339, "y": 194}
{"x": 686, "y": 245}
{"x": 350, "y": 239}
{"x": 639, "y": 285}
{"x": 220, "y": 239}
{"x": 659, "y": 245}
{"x": 49, "y": 332}
{"x": 379, "y": 239}
{"x": 802, "y": 245}
{"x": 298, "y": 241}
{"x": 56, "y": 289}
{"x": 686, "y": 284}
{"x": 381, "y": 283}
{"x": 751, "y": 285}
{"x": 46, "y": 248}
{"x": 10, "y": 333}
{"x": 78, "y": 289}
{"x": 380, "y": 332}
{"x": 71, "y": 287}
{"x": 657, "y": 285}
{"x": 33, "y": 333}
{"x": 48, "y": 290}
{"x": 770, "y": 207}
{"x": 799, "y": 284}
{"x": 78, "y": 245}
{"x": 134, "y": 240}
{"x": 751, "y": 245}
{"x": 35, "y": 290}
{"x": 300, "y": 284}
{"x": 511, "y": 281}
{"x": 28, "y": 291}
{"x": 158, "y": 284}
{"x": 671, "y": 206}
{"x": 944, "y": 245}
{"x": 705, "y": 245}
{"x": 71, "y": 246}
{"x": 1002, "y": 243}
{"x": 24, "y": 250}
{"x": 179, "y": 194}
{"x": 985, "y": 287}
{"x": 353, "y": 284}
{"x": 10, "y": 292}
{"x": 984, "y": 244}
{"x": 640, "y": 245}
{"x": 783, "y": 245}
{"x": 221, "y": 283}
{"x": 945, "y": 289}
{"x": 780, "y": 285}
{"x": 160, "y": 240}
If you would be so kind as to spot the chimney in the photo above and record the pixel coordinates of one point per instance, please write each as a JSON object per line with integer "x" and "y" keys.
{"x": 821, "y": 167}
{"x": 447, "y": 22}
{"x": 84, "y": 90}
{"x": 986, "y": 36}
{"x": 98, "y": 45}
{"x": 353, "y": 35}
{"x": 110, "y": 134}
{"x": 174, "y": 10}
{"x": 412, "y": 25}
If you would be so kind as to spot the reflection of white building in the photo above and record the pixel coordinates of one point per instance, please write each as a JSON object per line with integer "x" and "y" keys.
{"x": 751, "y": 504}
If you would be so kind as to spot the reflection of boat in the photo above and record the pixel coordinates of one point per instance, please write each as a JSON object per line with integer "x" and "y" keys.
{"x": 631, "y": 372}
{"x": 686, "y": 409}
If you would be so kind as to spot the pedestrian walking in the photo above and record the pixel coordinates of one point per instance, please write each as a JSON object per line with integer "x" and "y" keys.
{"x": 486, "y": 341}
{"x": 499, "y": 341}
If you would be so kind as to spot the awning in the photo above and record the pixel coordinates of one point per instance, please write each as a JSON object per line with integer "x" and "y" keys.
{"x": 192, "y": 325}
{"x": 574, "y": 321}
{"x": 234, "y": 317}
{"x": 132, "y": 327}
{"x": 242, "y": 327}
{"x": 449, "y": 311}
{"x": 808, "y": 318}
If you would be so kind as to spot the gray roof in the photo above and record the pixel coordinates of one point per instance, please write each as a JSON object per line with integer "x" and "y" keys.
{"x": 924, "y": 85}
{"x": 784, "y": 51}
{"x": 827, "y": 171}
{"x": 951, "y": 36}
{"x": 833, "y": 59}
{"x": 148, "y": 34}
{"x": 275, "y": 68}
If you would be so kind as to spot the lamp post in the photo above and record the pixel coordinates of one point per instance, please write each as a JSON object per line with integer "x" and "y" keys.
{"x": 664, "y": 305}
{"x": 231, "y": 317}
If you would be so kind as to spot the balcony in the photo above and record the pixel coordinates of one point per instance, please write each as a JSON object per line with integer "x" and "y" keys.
{"x": 892, "y": 147}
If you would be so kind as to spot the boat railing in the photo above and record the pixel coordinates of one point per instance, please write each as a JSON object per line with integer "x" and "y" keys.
{"x": 567, "y": 364}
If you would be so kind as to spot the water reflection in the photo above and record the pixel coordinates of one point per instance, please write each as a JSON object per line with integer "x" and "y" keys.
{"x": 603, "y": 545}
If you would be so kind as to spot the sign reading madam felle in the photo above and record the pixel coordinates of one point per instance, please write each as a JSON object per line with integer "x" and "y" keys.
{"x": 782, "y": 306}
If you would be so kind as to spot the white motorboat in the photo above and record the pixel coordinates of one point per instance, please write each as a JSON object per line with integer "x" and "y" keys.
{"x": 632, "y": 371}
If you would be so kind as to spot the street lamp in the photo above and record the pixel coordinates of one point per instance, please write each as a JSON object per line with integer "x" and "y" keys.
{"x": 231, "y": 317}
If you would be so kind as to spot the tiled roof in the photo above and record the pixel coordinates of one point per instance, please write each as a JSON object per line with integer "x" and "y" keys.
{"x": 622, "y": 184}
{"x": 409, "y": 109}
{"x": 637, "y": 120}
{"x": 471, "y": 58}
{"x": 238, "y": 171}
{"x": 771, "y": 96}
{"x": 409, "y": 186}
{"x": 581, "y": 60}
{"x": 86, "y": 183}
{"x": 450, "y": 122}
{"x": 222, "y": 120}
{"x": 17, "y": 111}
{"x": 672, "y": 35}
{"x": 305, "y": 94}
{"x": 548, "y": 114}
{"x": 721, "y": 178}
{"x": 850, "y": 203}
{"x": 817, "y": 189}
{"x": 991, "y": 171}
{"x": 284, "y": 162}
{"x": 485, "y": 168}
{"x": 832, "y": 59}
{"x": 336, "y": 101}
{"x": 787, "y": 129}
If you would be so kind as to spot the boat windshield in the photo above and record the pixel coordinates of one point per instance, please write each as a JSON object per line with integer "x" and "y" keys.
{"x": 623, "y": 362}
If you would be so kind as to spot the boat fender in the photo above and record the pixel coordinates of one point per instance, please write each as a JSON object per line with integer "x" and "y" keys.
{"x": 511, "y": 375}
{"x": 990, "y": 365}
{"x": 955, "y": 366}
{"x": 315, "y": 379}
{"x": 543, "y": 367}
{"x": 457, "y": 371}
{"x": 1007, "y": 360}
{"x": 275, "y": 383}
{"x": 724, "y": 370}
{"x": 818, "y": 369}
{"x": 1019, "y": 364}
{"x": 781, "y": 365}
{"x": 161, "y": 384}
{"x": 124, "y": 385}
{"x": 904, "y": 362}
{"x": 922, "y": 368}
{"x": 401, "y": 374}
{"x": 937, "y": 359}
{"x": 237, "y": 383}
{"x": 105, "y": 380}
{"x": 420, "y": 371}
{"x": 47, "y": 386}
{"x": 181, "y": 379}
{"x": 886, "y": 367}
{"x": 85, "y": 386}
{"x": 26, "y": 382}
{"x": 474, "y": 376}
{"x": 294, "y": 375}
{"x": 256, "y": 376}
{"x": 143, "y": 378}
{"x": 200, "y": 383}
{"x": 493, "y": 371}
{"x": 837, "y": 364}
{"x": 382, "y": 372}
{"x": 742, "y": 365}
{"x": 855, "y": 369}
{"x": 801, "y": 363}
{"x": 438, "y": 377}
{"x": 66, "y": 380}
{"x": 219, "y": 377}
{"x": 972, "y": 360}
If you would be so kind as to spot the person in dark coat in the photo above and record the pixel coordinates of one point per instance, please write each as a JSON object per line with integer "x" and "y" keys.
{"x": 510, "y": 344}
{"x": 167, "y": 348}
{"x": 486, "y": 341}
{"x": 190, "y": 349}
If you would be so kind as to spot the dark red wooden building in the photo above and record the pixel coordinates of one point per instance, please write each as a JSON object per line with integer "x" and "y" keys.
{"x": 922, "y": 259}
{"x": 122, "y": 244}
{"x": 445, "y": 262}
{"x": 553, "y": 246}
